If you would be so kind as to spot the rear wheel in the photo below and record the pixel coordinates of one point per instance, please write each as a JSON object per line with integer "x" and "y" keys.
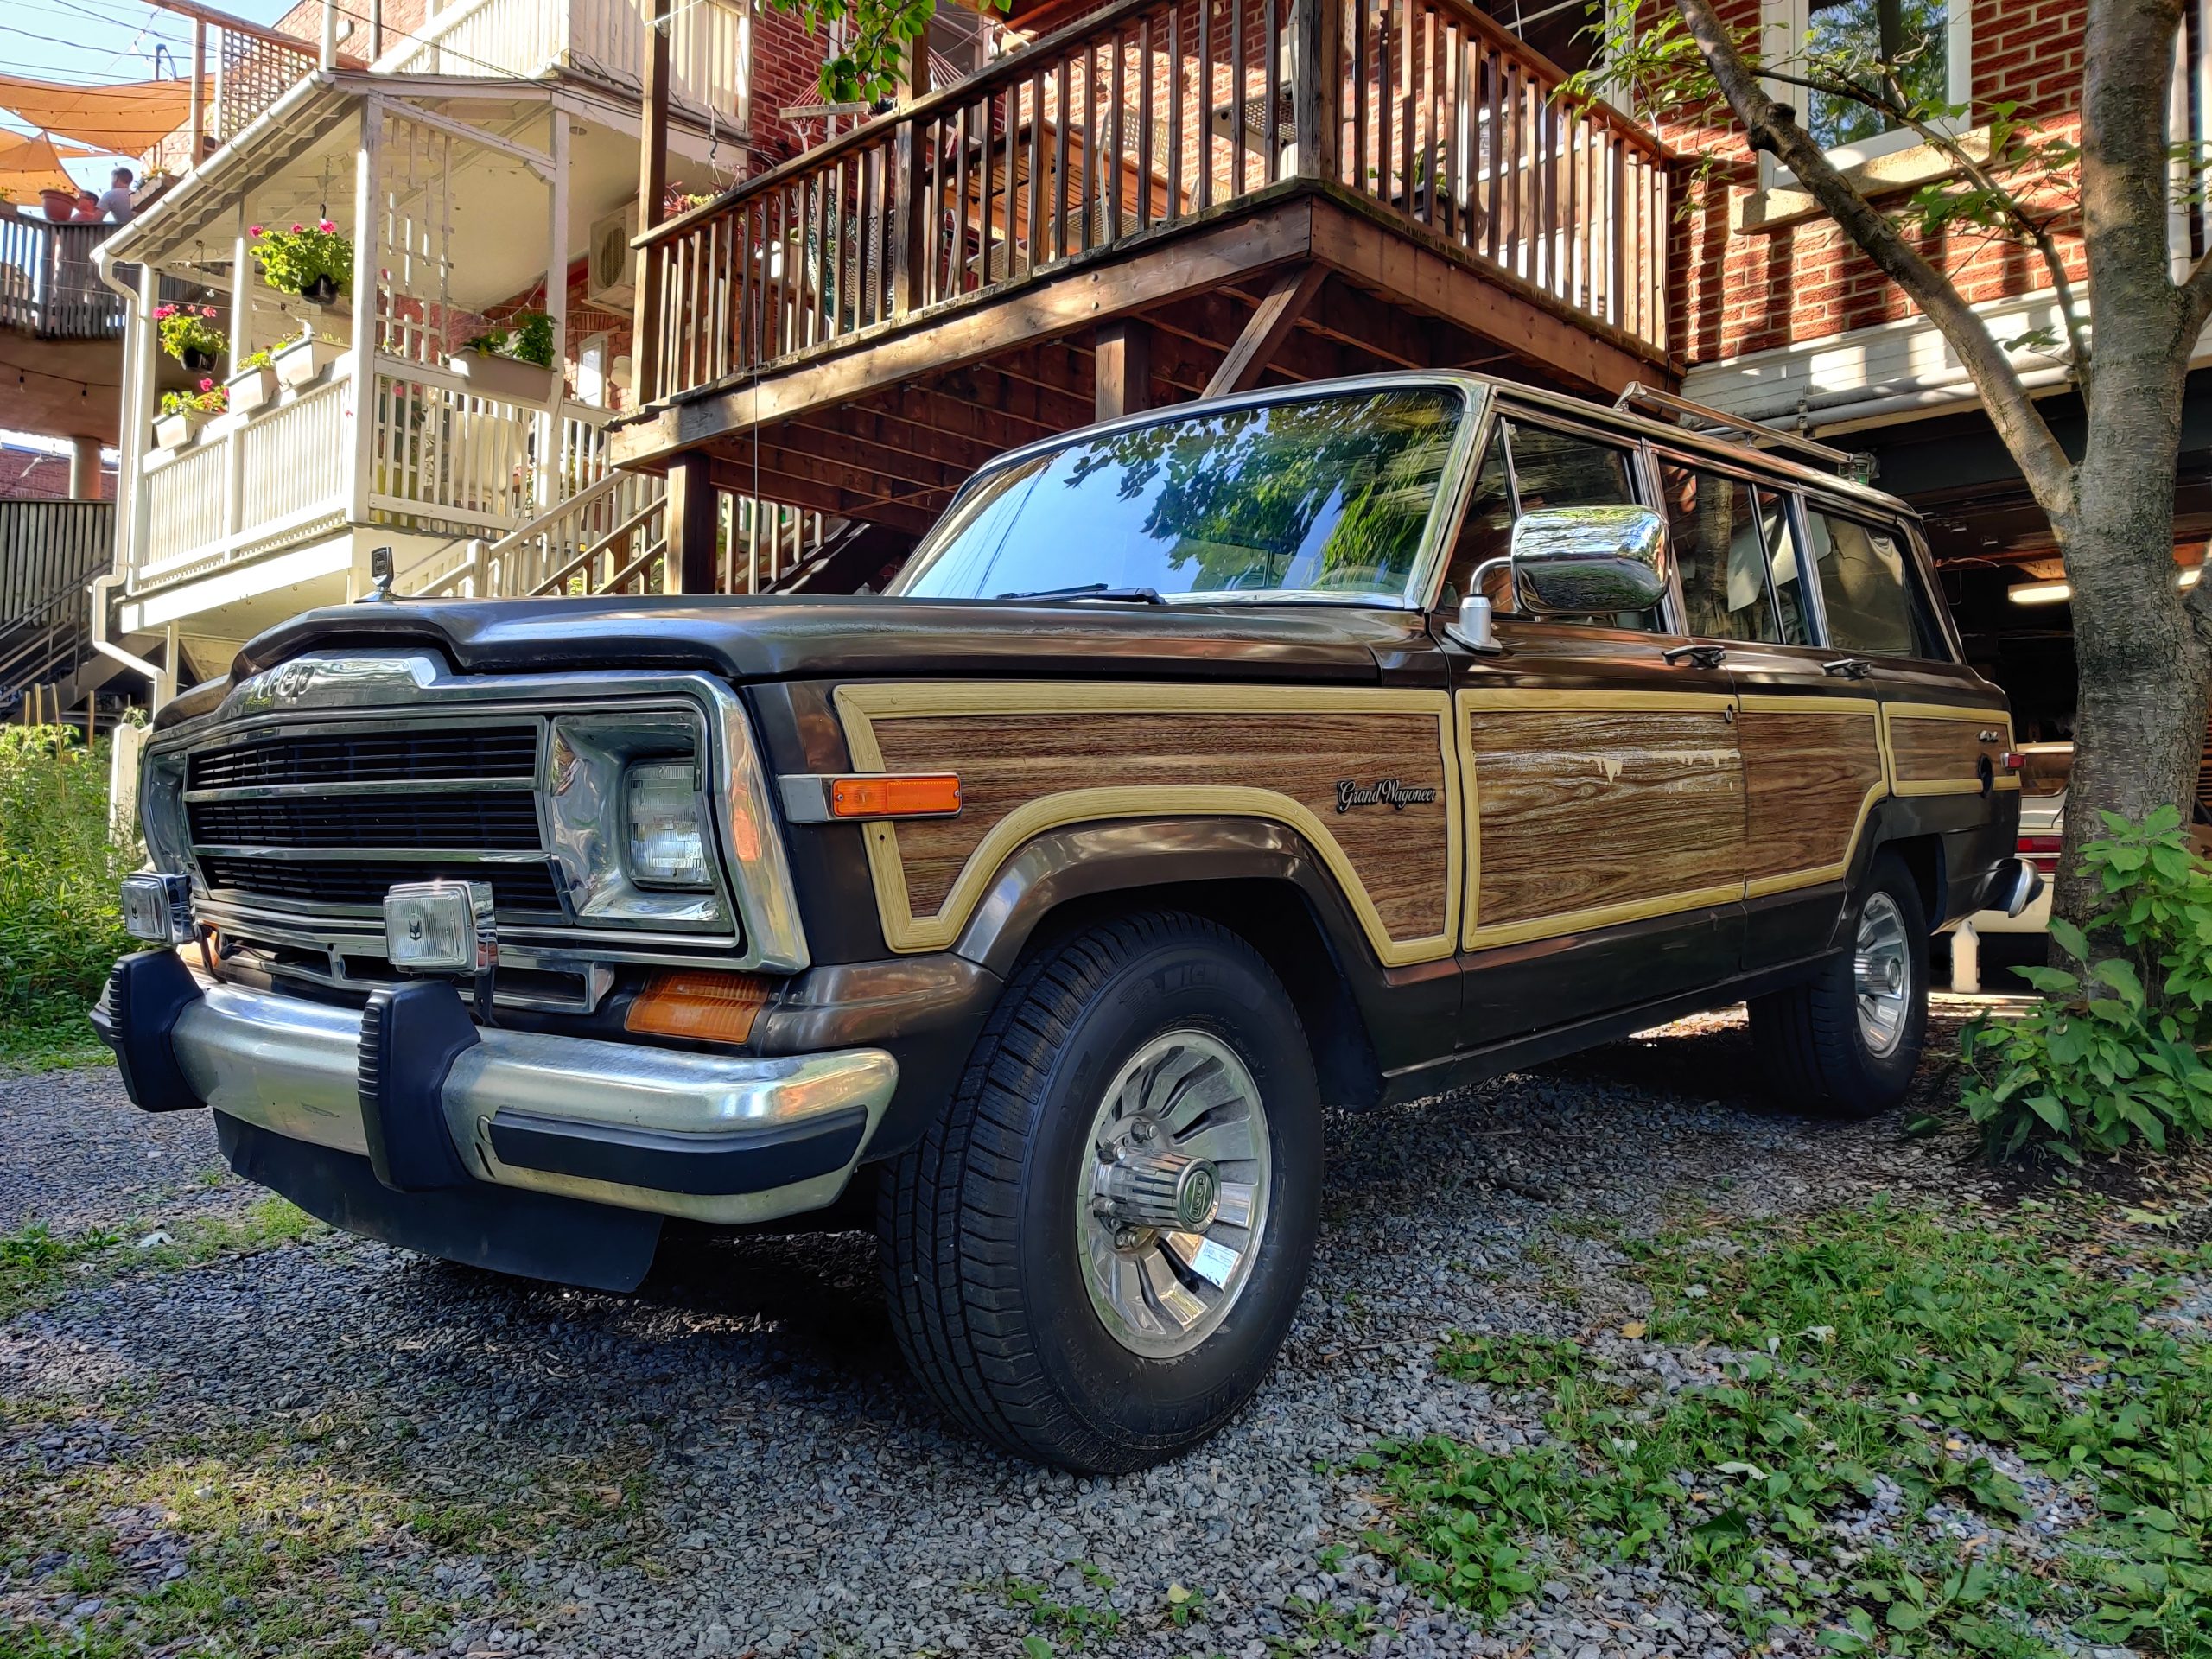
{"x": 1092, "y": 1257}
{"x": 1844, "y": 1043}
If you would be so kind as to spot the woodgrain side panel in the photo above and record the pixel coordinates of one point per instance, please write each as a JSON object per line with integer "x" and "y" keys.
{"x": 1934, "y": 751}
{"x": 1810, "y": 780}
{"x": 1032, "y": 757}
{"x": 1586, "y": 815}
{"x": 1004, "y": 761}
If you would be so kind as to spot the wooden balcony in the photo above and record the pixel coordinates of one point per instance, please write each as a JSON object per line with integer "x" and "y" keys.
{"x": 1168, "y": 197}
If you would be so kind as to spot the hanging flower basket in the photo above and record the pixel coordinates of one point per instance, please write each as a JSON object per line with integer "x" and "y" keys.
{"x": 188, "y": 334}
{"x": 314, "y": 262}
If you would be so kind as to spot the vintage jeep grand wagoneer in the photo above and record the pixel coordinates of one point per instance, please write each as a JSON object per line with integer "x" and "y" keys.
{"x": 1341, "y": 743}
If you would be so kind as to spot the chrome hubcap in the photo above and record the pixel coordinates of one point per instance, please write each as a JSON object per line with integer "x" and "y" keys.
{"x": 1882, "y": 970}
{"x": 1174, "y": 1197}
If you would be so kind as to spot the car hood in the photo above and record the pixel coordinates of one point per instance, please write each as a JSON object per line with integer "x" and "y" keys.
{"x": 798, "y": 636}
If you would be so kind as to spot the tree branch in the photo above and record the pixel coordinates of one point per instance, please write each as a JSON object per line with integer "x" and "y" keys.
{"x": 1774, "y": 128}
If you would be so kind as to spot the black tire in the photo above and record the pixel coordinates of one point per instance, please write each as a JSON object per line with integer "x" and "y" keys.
{"x": 979, "y": 1222}
{"x": 1817, "y": 1051}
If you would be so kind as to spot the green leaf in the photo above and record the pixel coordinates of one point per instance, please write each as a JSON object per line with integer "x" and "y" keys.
{"x": 2070, "y": 938}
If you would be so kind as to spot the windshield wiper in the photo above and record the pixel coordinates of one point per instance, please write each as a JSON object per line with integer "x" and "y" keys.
{"x": 1093, "y": 590}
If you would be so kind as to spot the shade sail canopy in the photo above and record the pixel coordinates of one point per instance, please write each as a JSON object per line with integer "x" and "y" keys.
{"x": 28, "y": 165}
{"x": 127, "y": 117}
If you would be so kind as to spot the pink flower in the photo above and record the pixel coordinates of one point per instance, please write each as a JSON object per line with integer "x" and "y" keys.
{"x": 299, "y": 227}
{"x": 253, "y": 230}
{"x": 206, "y": 310}
{"x": 207, "y": 385}
{"x": 163, "y": 312}
{"x": 325, "y": 226}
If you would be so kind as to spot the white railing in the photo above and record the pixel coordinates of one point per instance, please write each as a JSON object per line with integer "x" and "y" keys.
{"x": 444, "y": 462}
{"x": 184, "y": 513}
{"x": 709, "y": 46}
{"x": 291, "y": 462}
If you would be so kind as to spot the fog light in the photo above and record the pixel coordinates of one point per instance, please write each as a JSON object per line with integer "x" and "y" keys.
{"x": 668, "y": 840}
{"x": 157, "y": 908}
{"x": 440, "y": 927}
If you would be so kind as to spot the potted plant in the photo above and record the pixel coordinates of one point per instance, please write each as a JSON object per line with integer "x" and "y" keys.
{"x": 60, "y": 205}
{"x": 515, "y": 363}
{"x": 188, "y": 334}
{"x": 312, "y": 263}
{"x": 253, "y": 384}
{"x": 299, "y": 361}
{"x": 183, "y": 413}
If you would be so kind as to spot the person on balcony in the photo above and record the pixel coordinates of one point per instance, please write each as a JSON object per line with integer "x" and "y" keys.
{"x": 114, "y": 203}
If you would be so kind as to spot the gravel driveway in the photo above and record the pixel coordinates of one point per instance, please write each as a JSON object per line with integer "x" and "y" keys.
{"x": 370, "y": 1451}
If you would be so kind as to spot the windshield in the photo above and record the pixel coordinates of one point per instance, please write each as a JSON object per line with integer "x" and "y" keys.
{"x": 1327, "y": 495}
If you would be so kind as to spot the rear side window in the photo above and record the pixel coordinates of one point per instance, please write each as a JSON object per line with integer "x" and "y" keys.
{"x": 1871, "y": 593}
{"x": 1738, "y": 562}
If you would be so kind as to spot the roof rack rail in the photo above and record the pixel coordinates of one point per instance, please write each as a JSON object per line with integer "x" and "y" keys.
{"x": 1635, "y": 396}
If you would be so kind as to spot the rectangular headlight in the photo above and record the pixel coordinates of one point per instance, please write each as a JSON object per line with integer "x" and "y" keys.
{"x": 661, "y": 814}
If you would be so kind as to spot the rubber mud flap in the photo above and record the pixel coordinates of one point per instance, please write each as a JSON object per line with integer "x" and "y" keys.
{"x": 410, "y": 1036}
{"x": 146, "y": 993}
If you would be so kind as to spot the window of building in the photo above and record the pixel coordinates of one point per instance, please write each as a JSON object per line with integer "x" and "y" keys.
{"x": 591, "y": 371}
{"x": 1930, "y": 40}
{"x": 1870, "y": 590}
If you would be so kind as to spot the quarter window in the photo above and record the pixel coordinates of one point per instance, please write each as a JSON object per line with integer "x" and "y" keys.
{"x": 1872, "y": 597}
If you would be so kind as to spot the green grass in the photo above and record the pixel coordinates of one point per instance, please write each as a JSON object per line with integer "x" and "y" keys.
{"x": 37, "y": 1265}
{"x": 60, "y": 924}
{"x": 1869, "y": 1352}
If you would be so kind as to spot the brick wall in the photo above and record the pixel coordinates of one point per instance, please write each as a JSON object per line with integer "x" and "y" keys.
{"x": 401, "y": 18}
{"x": 786, "y": 66}
{"x": 1737, "y": 291}
{"x": 34, "y": 475}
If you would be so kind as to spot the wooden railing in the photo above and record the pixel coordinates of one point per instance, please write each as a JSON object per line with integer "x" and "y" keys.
{"x": 1149, "y": 113}
{"x": 48, "y": 285}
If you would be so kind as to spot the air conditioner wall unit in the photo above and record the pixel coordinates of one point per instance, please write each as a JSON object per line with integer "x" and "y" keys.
{"x": 611, "y": 279}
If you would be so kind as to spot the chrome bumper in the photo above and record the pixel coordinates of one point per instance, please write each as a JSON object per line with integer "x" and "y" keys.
{"x": 674, "y": 1133}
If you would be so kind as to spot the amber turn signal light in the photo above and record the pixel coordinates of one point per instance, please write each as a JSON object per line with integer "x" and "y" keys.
{"x": 914, "y": 795}
{"x": 701, "y": 1004}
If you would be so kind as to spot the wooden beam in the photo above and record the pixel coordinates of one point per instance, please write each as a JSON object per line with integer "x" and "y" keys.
{"x": 694, "y": 511}
{"x": 653, "y": 191}
{"x": 1122, "y": 367}
{"x": 1278, "y": 312}
{"x": 809, "y": 492}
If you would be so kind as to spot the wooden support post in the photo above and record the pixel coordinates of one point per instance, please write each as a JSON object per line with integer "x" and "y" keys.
{"x": 1123, "y": 368}
{"x": 652, "y": 190}
{"x": 691, "y": 525}
{"x": 197, "y": 99}
{"x": 1277, "y": 314}
{"x": 1317, "y": 84}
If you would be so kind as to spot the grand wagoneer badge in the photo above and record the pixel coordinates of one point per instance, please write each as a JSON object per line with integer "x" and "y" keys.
{"x": 1387, "y": 792}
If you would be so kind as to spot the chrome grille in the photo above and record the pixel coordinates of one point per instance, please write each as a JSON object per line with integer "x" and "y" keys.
{"x": 328, "y": 819}
{"x": 362, "y": 882}
{"x": 504, "y": 753}
{"x": 498, "y": 820}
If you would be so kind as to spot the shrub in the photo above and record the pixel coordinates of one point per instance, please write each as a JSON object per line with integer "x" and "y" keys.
{"x": 60, "y": 920}
{"x": 2115, "y": 1052}
{"x": 209, "y": 399}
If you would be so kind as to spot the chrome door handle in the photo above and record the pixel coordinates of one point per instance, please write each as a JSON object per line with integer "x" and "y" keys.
{"x": 1703, "y": 656}
{"x": 1850, "y": 668}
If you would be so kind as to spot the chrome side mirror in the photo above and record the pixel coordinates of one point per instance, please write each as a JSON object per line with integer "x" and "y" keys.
{"x": 1585, "y": 561}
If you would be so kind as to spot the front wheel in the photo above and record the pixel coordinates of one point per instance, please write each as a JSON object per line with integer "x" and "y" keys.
{"x": 1093, "y": 1255}
{"x": 1845, "y": 1042}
